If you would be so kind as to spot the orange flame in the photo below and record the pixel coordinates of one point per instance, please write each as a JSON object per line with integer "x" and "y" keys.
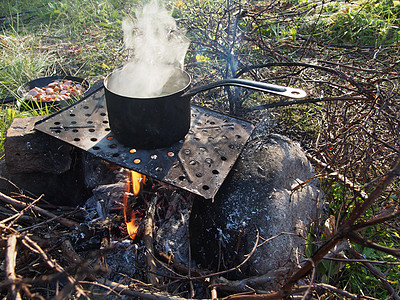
{"x": 134, "y": 183}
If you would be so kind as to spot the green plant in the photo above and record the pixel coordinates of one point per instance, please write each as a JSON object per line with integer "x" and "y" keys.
{"x": 21, "y": 61}
{"x": 364, "y": 23}
{"x": 7, "y": 115}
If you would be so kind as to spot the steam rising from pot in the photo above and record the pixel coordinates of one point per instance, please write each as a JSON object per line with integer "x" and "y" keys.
{"x": 158, "y": 49}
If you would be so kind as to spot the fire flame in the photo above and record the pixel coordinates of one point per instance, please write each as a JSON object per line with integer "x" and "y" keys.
{"x": 135, "y": 181}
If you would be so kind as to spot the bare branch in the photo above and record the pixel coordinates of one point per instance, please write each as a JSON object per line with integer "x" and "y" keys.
{"x": 148, "y": 241}
{"x": 356, "y": 238}
{"x": 11, "y": 255}
{"x": 23, "y": 205}
{"x": 378, "y": 274}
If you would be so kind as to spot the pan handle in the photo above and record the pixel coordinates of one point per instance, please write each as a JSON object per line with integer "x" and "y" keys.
{"x": 254, "y": 85}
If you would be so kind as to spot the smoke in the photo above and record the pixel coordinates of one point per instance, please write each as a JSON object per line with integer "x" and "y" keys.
{"x": 158, "y": 49}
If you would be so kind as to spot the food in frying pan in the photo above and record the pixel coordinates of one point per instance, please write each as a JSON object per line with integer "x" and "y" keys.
{"x": 57, "y": 90}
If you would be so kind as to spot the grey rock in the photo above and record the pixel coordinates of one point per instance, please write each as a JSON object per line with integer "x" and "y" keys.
{"x": 261, "y": 194}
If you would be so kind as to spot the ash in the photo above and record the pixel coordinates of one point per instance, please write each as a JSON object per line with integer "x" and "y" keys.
{"x": 172, "y": 237}
{"x": 124, "y": 258}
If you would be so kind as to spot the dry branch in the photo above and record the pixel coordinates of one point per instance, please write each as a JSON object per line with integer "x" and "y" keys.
{"x": 375, "y": 194}
{"x": 178, "y": 266}
{"x": 11, "y": 255}
{"x": 344, "y": 230}
{"x": 23, "y": 205}
{"x": 148, "y": 241}
{"x": 128, "y": 291}
{"x": 52, "y": 264}
{"x": 378, "y": 274}
{"x": 356, "y": 238}
{"x": 249, "y": 284}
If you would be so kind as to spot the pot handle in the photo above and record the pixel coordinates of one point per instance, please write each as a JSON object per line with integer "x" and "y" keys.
{"x": 254, "y": 85}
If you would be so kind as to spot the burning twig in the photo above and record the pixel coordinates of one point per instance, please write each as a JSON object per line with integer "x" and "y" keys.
{"x": 43, "y": 212}
{"x": 11, "y": 255}
{"x": 148, "y": 241}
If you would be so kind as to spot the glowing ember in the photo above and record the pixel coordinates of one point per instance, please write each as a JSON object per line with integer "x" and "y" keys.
{"x": 133, "y": 186}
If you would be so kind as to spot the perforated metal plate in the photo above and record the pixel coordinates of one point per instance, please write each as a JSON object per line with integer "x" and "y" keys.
{"x": 199, "y": 163}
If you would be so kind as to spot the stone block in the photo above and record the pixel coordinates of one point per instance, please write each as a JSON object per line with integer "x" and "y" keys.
{"x": 29, "y": 151}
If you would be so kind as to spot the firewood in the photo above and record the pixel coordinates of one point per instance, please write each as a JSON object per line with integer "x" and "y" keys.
{"x": 148, "y": 241}
{"x": 20, "y": 204}
{"x": 11, "y": 256}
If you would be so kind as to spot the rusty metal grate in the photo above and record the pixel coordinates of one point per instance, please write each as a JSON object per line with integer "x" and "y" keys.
{"x": 199, "y": 163}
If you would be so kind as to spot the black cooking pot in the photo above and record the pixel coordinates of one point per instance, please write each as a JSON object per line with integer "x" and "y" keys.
{"x": 149, "y": 123}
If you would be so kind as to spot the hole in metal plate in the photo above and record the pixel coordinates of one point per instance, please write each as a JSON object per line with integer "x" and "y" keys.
{"x": 199, "y": 163}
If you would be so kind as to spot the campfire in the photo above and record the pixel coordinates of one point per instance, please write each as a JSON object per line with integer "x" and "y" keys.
{"x": 135, "y": 181}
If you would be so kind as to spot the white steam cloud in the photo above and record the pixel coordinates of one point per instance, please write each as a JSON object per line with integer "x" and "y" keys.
{"x": 158, "y": 49}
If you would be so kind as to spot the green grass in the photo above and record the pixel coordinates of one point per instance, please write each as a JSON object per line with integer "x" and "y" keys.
{"x": 42, "y": 38}
{"x": 364, "y": 23}
{"x": 355, "y": 277}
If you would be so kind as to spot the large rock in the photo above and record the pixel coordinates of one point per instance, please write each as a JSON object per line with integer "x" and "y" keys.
{"x": 261, "y": 194}
{"x": 28, "y": 150}
{"x": 40, "y": 164}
